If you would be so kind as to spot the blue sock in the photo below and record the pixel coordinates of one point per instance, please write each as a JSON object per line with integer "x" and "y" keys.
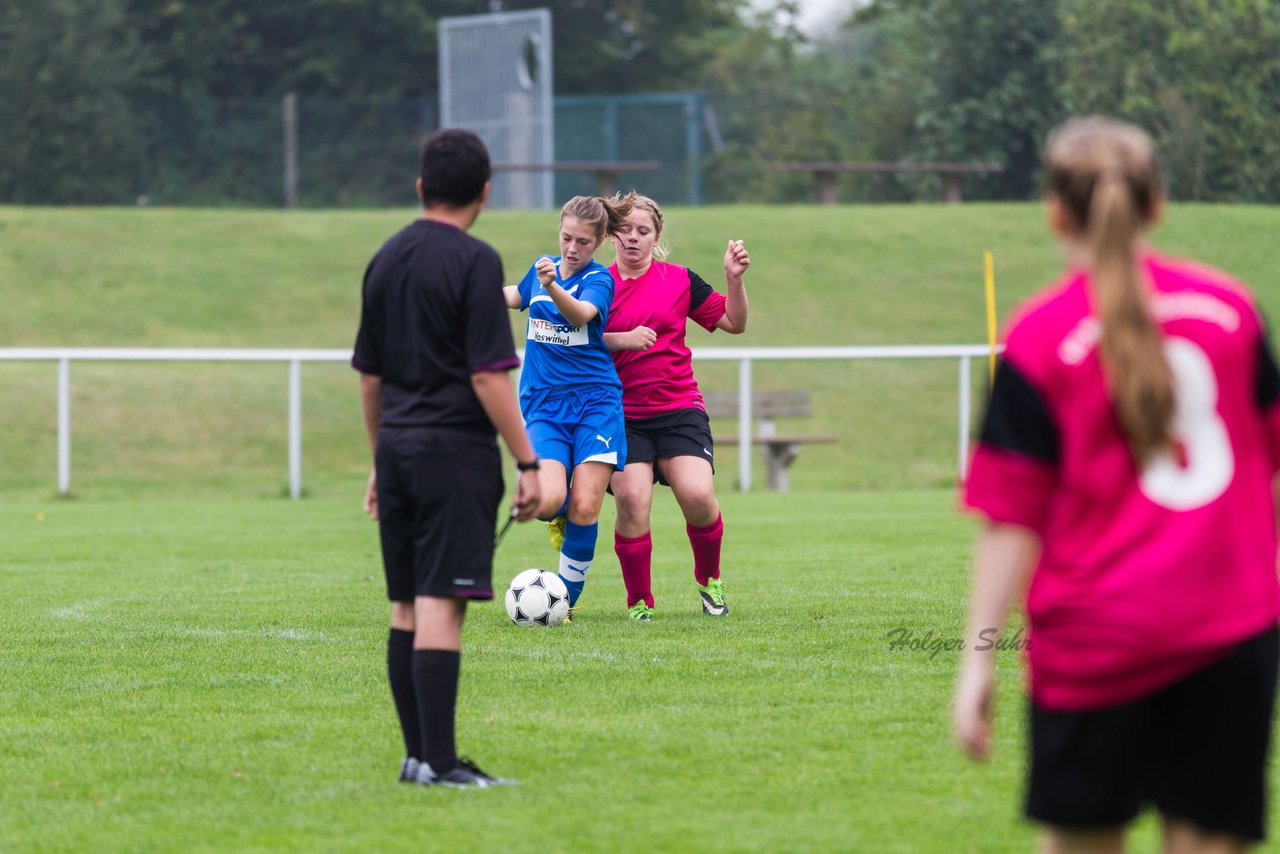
{"x": 576, "y": 556}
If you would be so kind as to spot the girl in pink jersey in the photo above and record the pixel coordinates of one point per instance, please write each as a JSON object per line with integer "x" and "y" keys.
{"x": 668, "y": 433}
{"x": 1126, "y": 462}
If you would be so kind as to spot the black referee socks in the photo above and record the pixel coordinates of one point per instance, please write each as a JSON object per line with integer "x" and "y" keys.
{"x": 400, "y": 675}
{"x": 435, "y": 684}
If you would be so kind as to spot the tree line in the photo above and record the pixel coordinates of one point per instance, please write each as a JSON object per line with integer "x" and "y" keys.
{"x": 102, "y": 101}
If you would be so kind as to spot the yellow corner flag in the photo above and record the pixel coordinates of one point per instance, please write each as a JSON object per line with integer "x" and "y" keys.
{"x": 990, "y": 268}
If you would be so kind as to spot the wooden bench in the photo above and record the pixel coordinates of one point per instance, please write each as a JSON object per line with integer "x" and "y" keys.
{"x": 780, "y": 449}
{"x": 606, "y": 171}
{"x": 825, "y": 172}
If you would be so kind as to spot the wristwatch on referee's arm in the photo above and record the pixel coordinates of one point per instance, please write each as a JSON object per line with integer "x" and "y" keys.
{"x": 532, "y": 465}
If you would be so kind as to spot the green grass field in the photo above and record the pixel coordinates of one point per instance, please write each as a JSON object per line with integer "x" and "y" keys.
{"x": 190, "y": 662}
{"x": 209, "y": 675}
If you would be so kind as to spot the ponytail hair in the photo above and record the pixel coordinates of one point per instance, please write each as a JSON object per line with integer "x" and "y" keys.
{"x": 1105, "y": 174}
{"x": 604, "y": 216}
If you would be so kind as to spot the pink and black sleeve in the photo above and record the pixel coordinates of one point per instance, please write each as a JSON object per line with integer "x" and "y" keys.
{"x": 1014, "y": 471}
{"x": 1267, "y": 395}
{"x": 706, "y": 305}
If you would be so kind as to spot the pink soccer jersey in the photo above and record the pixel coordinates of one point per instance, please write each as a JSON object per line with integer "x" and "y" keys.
{"x": 1145, "y": 575}
{"x": 660, "y": 379}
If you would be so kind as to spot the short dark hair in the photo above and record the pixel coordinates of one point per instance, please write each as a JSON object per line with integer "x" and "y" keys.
{"x": 455, "y": 168}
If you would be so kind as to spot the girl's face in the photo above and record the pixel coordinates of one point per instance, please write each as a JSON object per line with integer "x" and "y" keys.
{"x": 637, "y": 238}
{"x": 578, "y": 243}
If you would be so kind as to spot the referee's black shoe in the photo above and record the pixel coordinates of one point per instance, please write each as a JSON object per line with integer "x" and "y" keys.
{"x": 465, "y": 775}
{"x": 410, "y": 768}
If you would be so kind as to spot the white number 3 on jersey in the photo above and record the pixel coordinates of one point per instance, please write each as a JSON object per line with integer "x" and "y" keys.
{"x": 1202, "y": 434}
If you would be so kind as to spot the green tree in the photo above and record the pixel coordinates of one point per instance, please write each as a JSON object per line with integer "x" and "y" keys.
{"x": 66, "y": 133}
{"x": 780, "y": 96}
{"x": 978, "y": 80}
{"x": 1202, "y": 75}
{"x": 242, "y": 48}
{"x": 354, "y": 48}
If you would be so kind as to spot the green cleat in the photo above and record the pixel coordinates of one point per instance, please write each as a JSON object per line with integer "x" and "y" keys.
{"x": 568, "y": 617}
{"x": 555, "y": 531}
{"x": 713, "y": 604}
{"x": 640, "y": 612}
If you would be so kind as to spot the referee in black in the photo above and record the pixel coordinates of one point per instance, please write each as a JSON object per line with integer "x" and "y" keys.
{"x": 433, "y": 352}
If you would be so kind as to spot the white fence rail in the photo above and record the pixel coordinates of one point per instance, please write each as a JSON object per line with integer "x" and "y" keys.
{"x": 746, "y": 357}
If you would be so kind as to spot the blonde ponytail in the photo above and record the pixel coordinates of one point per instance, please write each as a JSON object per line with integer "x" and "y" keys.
{"x": 1106, "y": 176}
{"x": 605, "y": 216}
{"x": 1138, "y": 374}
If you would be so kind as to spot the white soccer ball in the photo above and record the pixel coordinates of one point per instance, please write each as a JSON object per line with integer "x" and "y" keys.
{"x": 537, "y": 598}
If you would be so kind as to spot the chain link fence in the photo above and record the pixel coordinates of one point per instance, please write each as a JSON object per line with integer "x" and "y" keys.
{"x": 349, "y": 153}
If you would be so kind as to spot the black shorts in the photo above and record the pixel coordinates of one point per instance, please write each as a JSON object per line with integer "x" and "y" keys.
{"x": 437, "y": 505}
{"x": 1197, "y": 750}
{"x": 680, "y": 433}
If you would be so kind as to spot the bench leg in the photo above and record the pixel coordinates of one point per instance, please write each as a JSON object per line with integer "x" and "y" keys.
{"x": 777, "y": 458}
{"x": 951, "y": 189}
{"x": 825, "y": 183}
{"x": 606, "y": 182}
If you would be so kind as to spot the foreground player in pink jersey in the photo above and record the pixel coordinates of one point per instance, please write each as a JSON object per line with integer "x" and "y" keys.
{"x": 668, "y": 433}
{"x": 1127, "y": 460}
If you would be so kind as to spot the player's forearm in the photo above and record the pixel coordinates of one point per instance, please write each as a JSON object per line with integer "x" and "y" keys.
{"x": 498, "y": 399}
{"x": 511, "y": 294}
{"x": 615, "y": 341}
{"x": 371, "y": 406}
{"x": 574, "y": 310}
{"x": 1002, "y": 560}
{"x": 735, "y": 306}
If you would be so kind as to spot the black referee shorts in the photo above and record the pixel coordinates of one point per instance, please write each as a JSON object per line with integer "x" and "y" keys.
{"x": 1197, "y": 750}
{"x": 438, "y": 501}
{"x": 679, "y": 433}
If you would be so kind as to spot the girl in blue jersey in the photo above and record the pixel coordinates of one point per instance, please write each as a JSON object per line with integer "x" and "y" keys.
{"x": 570, "y": 394}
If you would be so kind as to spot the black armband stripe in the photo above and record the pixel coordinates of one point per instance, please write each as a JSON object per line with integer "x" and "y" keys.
{"x": 1017, "y": 419}
{"x": 699, "y": 290}
{"x": 1268, "y": 387}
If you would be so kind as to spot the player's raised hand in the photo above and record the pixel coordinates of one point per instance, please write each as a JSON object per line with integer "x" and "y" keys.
{"x": 736, "y": 259}
{"x": 546, "y": 269}
{"x": 641, "y": 338}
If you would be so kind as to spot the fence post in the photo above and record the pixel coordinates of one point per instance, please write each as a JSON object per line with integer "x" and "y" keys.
{"x": 64, "y": 426}
{"x": 290, "y": 115}
{"x": 744, "y": 425}
{"x": 965, "y": 415}
{"x": 295, "y": 429}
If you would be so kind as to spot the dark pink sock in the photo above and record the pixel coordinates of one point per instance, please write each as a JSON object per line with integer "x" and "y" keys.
{"x": 634, "y": 554}
{"x": 706, "y": 549}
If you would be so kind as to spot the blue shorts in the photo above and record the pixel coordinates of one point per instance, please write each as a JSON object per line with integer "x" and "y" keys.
{"x": 577, "y": 425}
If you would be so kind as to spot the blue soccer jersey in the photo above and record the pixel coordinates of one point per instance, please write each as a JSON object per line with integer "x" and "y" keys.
{"x": 557, "y": 354}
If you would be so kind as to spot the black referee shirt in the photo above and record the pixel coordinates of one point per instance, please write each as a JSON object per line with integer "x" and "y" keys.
{"x": 432, "y": 315}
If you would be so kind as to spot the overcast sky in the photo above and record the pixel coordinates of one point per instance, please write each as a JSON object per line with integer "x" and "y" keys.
{"x": 817, "y": 13}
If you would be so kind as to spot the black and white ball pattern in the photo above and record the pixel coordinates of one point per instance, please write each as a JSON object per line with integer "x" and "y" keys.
{"x": 537, "y": 598}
